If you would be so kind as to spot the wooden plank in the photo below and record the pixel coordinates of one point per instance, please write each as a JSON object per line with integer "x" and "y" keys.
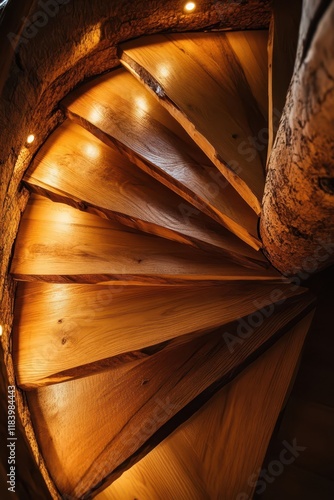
{"x": 215, "y": 85}
{"x": 62, "y": 328}
{"x": 135, "y": 402}
{"x": 76, "y": 168}
{"x": 219, "y": 451}
{"x": 59, "y": 244}
{"x": 122, "y": 113}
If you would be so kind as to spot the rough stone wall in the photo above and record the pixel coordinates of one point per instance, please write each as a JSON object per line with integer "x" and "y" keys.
{"x": 59, "y": 50}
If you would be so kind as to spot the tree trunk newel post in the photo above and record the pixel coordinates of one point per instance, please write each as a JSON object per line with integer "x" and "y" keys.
{"x": 297, "y": 223}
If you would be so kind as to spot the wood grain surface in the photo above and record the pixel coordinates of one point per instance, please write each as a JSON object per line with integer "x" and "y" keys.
{"x": 61, "y": 327}
{"x": 125, "y": 411}
{"x": 215, "y": 85}
{"x": 76, "y": 168}
{"x": 121, "y": 112}
{"x": 57, "y": 243}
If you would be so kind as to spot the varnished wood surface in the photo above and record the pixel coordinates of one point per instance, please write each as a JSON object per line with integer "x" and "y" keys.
{"x": 59, "y": 328}
{"x": 76, "y": 168}
{"x": 127, "y": 406}
{"x": 120, "y": 111}
{"x": 215, "y": 85}
{"x": 131, "y": 403}
{"x": 57, "y": 243}
{"x": 218, "y": 452}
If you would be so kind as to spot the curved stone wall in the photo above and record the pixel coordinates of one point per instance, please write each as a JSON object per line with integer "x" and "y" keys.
{"x": 63, "y": 43}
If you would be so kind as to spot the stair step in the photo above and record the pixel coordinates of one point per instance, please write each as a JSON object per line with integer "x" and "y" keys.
{"x": 122, "y": 113}
{"x": 76, "y": 168}
{"x": 215, "y": 85}
{"x": 130, "y": 409}
{"x": 59, "y": 244}
{"x": 61, "y": 328}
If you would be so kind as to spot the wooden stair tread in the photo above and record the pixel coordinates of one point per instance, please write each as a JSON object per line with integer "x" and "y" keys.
{"x": 76, "y": 168}
{"x": 215, "y": 85}
{"x": 61, "y": 328}
{"x": 122, "y": 113}
{"x": 242, "y": 414}
{"x": 59, "y": 244}
{"x": 135, "y": 401}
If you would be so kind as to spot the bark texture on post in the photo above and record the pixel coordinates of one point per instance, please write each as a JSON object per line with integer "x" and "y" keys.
{"x": 297, "y": 226}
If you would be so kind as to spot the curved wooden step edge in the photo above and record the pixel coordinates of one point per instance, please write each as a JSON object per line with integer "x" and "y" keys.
{"x": 204, "y": 365}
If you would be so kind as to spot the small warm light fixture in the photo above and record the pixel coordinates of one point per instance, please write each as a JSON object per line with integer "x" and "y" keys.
{"x": 30, "y": 139}
{"x": 190, "y": 6}
{"x": 0, "y": 330}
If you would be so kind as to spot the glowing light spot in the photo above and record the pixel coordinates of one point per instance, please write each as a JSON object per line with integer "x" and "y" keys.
{"x": 163, "y": 70}
{"x": 0, "y": 330}
{"x": 190, "y": 6}
{"x": 65, "y": 215}
{"x": 141, "y": 106}
{"x": 91, "y": 150}
{"x": 30, "y": 139}
{"x": 95, "y": 115}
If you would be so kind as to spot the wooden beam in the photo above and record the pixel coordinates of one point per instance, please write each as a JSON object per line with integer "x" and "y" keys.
{"x": 139, "y": 405}
{"x": 122, "y": 113}
{"x": 59, "y": 244}
{"x": 61, "y": 328}
{"x": 215, "y": 85}
{"x": 297, "y": 224}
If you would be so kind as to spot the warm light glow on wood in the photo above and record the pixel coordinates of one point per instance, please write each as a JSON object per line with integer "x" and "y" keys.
{"x": 0, "y": 330}
{"x": 164, "y": 70}
{"x": 203, "y": 118}
{"x": 30, "y": 139}
{"x": 142, "y": 106}
{"x": 91, "y": 150}
{"x": 190, "y": 6}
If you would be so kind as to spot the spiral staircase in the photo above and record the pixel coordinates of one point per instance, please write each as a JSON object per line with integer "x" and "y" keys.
{"x": 151, "y": 334}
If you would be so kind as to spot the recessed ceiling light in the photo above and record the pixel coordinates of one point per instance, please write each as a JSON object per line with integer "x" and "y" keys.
{"x": 190, "y": 6}
{"x": 30, "y": 139}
